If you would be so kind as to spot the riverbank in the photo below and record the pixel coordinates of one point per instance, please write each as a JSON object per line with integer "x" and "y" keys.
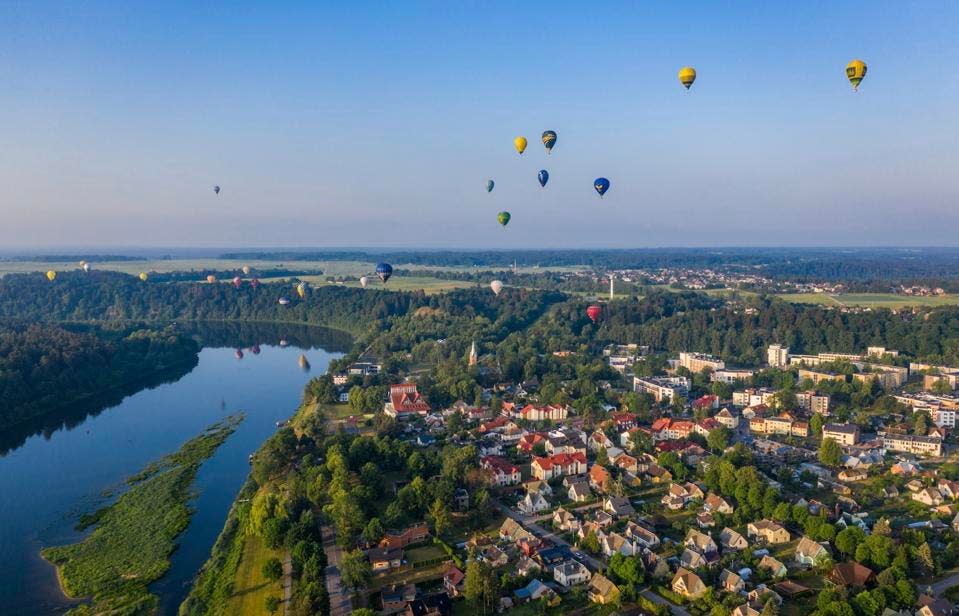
{"x": 133, "y": 538}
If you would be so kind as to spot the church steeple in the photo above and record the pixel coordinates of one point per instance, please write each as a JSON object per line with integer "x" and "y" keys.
{"x": 473, "y": 356}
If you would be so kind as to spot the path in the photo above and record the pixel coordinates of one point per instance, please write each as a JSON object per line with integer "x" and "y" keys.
{"x": 340, "y": 603}
{"x": 287, "y": 582}
{"x": 542, "y": 533}
{"x": 675, "y": 609}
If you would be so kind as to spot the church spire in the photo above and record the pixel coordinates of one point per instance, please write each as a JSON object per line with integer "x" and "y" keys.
{"x": 473, "y": 355}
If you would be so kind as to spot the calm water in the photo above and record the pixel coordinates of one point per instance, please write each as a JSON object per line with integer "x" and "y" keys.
{"x": 48, "y": 478}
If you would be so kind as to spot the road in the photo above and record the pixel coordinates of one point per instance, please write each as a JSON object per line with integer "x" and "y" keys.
{"x": 340, "y": 603}
{"x": 939, "y": 586}
{"x": 675, "y": 609}
{"x": 530, "y": 524}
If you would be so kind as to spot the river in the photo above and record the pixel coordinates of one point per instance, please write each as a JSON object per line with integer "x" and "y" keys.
{"x": 52, "y": 472}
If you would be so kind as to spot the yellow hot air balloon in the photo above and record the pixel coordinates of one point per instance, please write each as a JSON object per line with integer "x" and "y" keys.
{"x": 687, "y": 75}
{"x": 143, "y": 276}
{"x": 855, "y": 72}
{"x": 51, "y": 275}
{"x": 520, "y": 144}
{"x": 211, "y": 278}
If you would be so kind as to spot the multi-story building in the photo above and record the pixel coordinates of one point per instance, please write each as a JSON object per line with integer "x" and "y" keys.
{"x": 813, "y": 402}
{"x": 784, "y": 425}
{"x": 777, "y": 356}
{"x": 731, "y": 375}
{"x": 944, "y": 418}
{"x": 660, "y": 387}
{"x": 930, "y": 381}
{"x": 405, "y": 402}
{"x": 815, "y": 376}
{"x": 844, "y": 434}
{"x": 890, "y": 377}
{"x": 909, "y": 443}
{"x": 697, "y": 362}
{"x": 558, "y": 465}
{"x": 548, "y": 412}
{"x": 752, "y": 396}
{"x": 501, "y": 472}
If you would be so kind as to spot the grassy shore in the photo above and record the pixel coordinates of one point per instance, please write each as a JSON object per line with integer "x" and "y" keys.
{"x": 132, "y": 539}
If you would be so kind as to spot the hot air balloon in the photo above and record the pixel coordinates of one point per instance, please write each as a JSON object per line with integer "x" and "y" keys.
{"x": 216, "y": 189}
{"x": 283, "y": 343}
{"x": 84, "y": 266}
{"x": 593, "y": 312}
{"x": 304, "y": 363}
{"x": 543, "y": 177}
{"x": 497, "y": 286}
{"x": 238, "y": 353}
{"x": 143, "y": 276}
{"x": 211, "y": 278}
{"x": 520, "y": 144}
{"x": 489, "y": 185}
{"x": 51, "y": 275}
{"x": 503, "y": 218}
{"x": 856, "y": 72}
{"x": 549, "y": 140}
{"x": 283, "y": 301}
{"x": 255, "y": 349}
{"x": 301, "y": 290}
{"x": 687, "y": 75}
{"x": 601, "y": 185}
{"x": 246, "y": 270}
{"x": 364, "y": 281}
{"x": 384, "y": 271}
{"x": 237, "y": 281}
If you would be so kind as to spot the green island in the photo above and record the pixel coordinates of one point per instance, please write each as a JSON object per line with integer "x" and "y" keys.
{"x": 132, "y": 538}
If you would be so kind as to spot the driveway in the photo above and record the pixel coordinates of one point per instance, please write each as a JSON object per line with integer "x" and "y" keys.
{"x": 340, "y": 603}
{"x": 675, "y": 609}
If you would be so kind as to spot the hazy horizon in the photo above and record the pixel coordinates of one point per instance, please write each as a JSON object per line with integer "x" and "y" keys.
{"x": 361, "y": 126}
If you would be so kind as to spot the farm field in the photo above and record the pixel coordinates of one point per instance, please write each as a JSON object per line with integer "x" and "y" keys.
{"x": 870, "y": 300}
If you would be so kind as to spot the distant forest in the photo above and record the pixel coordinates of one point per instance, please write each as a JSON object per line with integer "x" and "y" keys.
{"x": 45, "y": 367}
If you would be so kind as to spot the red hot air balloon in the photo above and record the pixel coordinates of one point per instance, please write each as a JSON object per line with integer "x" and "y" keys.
{"x": 593, "y": 312}
{"x": 254, "y": 283}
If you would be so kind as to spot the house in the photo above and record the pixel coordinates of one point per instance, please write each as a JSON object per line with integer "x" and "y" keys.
{"x": 642, "y": 535}
{"x": 688, "y": 584}
{"x": 513, "y": 531}
{"x": 700, "y": 541}
{"x": 549, "y": 412}
{"x": 501, "y": 472}
{"x": 462, "y": 498}
{"x": 844, "y": 434}
{"x": 601, "y": 590}
{"x": 528, "y": 442}
{"x": 693, "y": 559}
{"x": 526, "y": 566}
{"x": 598, "y": 477}
{"x": 714, "y": 503}
{"x": 704, "y": 519}
{"x": 626, "y": 462}
{"x": 533, "y": 502}
{"x": 395, "y": 598}
{"x": 534, "y": 591}
{"x": 558, "y": 465}
{"x": 571, "y": 573}
{"x": 417, "y": 533}
{"x": 614, "y": 542}
{"x": 934, "y": 607}
{"x": 619, "y": 506}
{"x": 775, "y": 567}
{"x": 565, "y": 521}
{"x": 599, "y": 441}
{"x": 928, "y": 496}
{"x": 809, "y": 553}
{"x": 453, "y": 581}
{"x": 731, "y": 540}
{"x": 745, "y": 610}
{"x": 579, "y": 492}
{"x": 437, "y": 604}
{"x": 405, "y": 402}
{"x": 385, "y": 559}
{"x": 726, "y": 418}
{"x": 768, "y": 531}
{"x": 539, "y": 487}
{"x": 853, "y": 474}
{"x": 551, "y": 557}
{"x": 731, "y": 582}
{"x": 493, "y": 556}
{"x": 851, "y": 574}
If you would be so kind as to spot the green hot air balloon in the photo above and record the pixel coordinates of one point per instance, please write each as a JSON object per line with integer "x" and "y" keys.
{"x": 549, "y": 140}
{"x": 503, "y": 218}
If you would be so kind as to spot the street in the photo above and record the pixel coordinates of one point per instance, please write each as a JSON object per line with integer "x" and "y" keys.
{"x": 340, "y": 603}
{"x": 542, "y": 533}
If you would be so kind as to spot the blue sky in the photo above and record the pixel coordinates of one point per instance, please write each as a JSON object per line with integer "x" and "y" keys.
{"x": 339, "y": 124}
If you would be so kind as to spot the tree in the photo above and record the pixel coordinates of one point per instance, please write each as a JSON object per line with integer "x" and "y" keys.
{"x": 355, "y": 570}
{"x": 920, "y": 423}
{"x": 640, "y": 442}
{"x": 830, "y": 453}
{"x": 848, "y": 539}
{"x": 272, "y": 569}
{"x": 272, "y": 604}
{"x": 602, "y": 458}
{"x": 364, "y": 611}
{"x": 590, "y": 543}
{"x": 373, "y": 531}
{"x": 627, "y": 569}
{"x": 480, "y": 587}
{"x": 718, "y": 439}
{"x": 440, "y": 516}
{"x": 816, "y": 423}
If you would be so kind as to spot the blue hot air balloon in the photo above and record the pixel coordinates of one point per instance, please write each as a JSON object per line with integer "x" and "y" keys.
{"x": 601, "y": 185}
{"x": 489, "y": 185}
{"x": 543, "y": 177}
{"x": 384, "y": 271}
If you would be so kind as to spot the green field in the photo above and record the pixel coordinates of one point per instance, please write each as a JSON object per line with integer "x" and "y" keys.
{"x": 870, "y": 300}
{"x": 250, "y": 588}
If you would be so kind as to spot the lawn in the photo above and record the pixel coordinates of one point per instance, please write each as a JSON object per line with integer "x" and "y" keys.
{"x": 424, "y": 553}
{"x": 250, "y": 588}
{"x": 870, "y": 300}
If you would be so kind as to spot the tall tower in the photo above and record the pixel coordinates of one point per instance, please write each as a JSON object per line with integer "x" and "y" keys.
{"x": 611, "y": 287}
{"x": 473, "y": 355}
